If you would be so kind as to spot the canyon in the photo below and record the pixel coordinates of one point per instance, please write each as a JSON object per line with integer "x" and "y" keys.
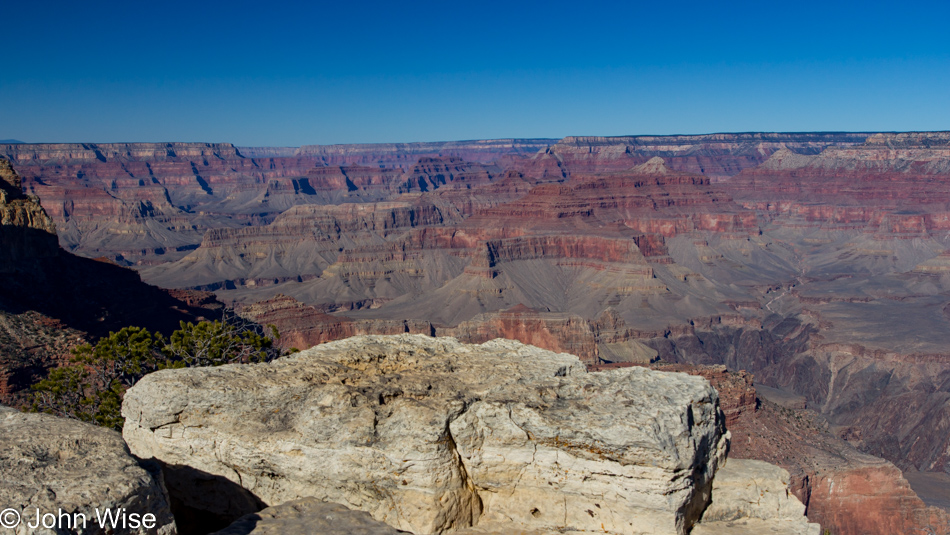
{"x": 817, "y": 262}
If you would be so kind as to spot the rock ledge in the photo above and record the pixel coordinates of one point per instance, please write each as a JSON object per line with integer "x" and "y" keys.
{"x": 431, "y": 435}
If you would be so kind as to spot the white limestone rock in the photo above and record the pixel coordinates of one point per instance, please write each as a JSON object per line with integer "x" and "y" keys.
{"x": 431, "y": 435}
{"x": 752, "y": 497}
{"x": 54, "y": 465}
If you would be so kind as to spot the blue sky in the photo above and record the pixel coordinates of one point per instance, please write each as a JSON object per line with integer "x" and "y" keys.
{"x": 288, "y": 74}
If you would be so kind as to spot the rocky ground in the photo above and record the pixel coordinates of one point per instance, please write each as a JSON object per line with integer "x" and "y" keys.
{"x": 846, "y": 491}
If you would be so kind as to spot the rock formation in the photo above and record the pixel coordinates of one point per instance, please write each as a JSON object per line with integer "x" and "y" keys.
{"x": 52, "y": 465}
{"x": 430, "y": 435}
{"x": 718, "y": 156}
{"x": 151, "y": 202}
{"x": 847, "y": 492}
{"x": 752, "y": 497}
{"x": 26, "y": 232}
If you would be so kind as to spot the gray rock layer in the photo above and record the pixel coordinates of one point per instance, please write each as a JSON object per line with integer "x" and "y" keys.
{"x": 308, "y": 516}
{"x": 54, "y": 465}
{"x": 431, "y": 435}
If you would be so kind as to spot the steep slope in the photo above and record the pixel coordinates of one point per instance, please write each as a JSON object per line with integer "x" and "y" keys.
{"x": 846, "y": 491}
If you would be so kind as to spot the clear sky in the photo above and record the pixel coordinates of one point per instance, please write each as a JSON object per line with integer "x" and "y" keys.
{"x": 288, "y": 74}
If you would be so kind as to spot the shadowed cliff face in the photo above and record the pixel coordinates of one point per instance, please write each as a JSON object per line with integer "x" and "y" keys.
{"x": 51, "y": 304}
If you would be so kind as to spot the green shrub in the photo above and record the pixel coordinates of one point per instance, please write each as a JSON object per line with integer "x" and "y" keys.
{"x": 91, "y": 387}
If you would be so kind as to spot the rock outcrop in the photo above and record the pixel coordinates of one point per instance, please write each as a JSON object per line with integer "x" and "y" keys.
{"x": 52, "y": 465}
{"x": 308, "y": 516}
{"x": 431, "y": 435}
{"x": 26, "y": 232}
{"x": 753, "y": 497}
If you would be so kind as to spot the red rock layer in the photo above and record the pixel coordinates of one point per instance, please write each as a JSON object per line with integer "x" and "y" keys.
{"x": 148, "y": 202}
{"x": 432, "y": 173}
{"x": 303, "y": 326}
{"x": 650, "y": 199}
{"x": 564, "y": 333}
{"x": 868, "y": 500}
{"x": 894, "y": 185}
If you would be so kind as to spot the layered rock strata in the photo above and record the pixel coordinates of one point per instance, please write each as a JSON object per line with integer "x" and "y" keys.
{"x": 718, "y": 156}
{"x": 150, "y": 202}
{"x": 892, "y": 186}
{"x": 431, "y": 435}
{"x": 57, "y": 466}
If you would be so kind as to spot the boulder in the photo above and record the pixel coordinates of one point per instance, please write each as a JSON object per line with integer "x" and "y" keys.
{"x": 753, "y": 497}
{"x": 53, "y": 465}
{"x": 431, "y": 435}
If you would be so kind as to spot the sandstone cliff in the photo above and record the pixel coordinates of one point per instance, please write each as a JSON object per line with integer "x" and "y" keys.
{"x": 433, "y": 435}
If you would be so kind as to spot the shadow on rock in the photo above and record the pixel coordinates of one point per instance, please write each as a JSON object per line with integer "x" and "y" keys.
{"x": 204, "y": 503}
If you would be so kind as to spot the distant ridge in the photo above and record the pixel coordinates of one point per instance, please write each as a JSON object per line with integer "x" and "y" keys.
{"x": 12, "y": 141}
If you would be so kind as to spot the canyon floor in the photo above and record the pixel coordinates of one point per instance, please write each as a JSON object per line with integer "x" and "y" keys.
{"x": 818, "y": 263}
